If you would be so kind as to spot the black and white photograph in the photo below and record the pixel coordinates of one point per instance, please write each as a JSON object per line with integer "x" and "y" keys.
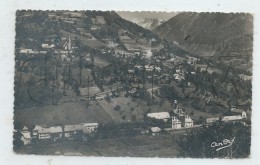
{"x": 133, "y": 84}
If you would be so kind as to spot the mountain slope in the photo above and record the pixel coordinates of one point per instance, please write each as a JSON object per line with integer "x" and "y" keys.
{"x": 148, "y": 23}
{"x": 211, "y": 34}
{"x": 148, "y": 20}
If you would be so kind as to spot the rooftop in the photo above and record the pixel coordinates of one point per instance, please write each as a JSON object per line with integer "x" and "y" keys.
{"x": 188, "y": 119}
{"x": 175, "y": 120}
{"x": 155, "y": 129}
{"x": 44, "y": 130}
{"x": 89, "y": 124}
{"x": 68, "y": 128}
{"x": 159, "y": 115}
{"x": 56, "y": 129}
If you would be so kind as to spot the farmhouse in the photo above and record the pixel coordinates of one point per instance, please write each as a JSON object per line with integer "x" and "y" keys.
{"x": 159, "y": 115}
{"x": 155, "y": 130}
{"x": 89, "y": 127}
{"x": 44, "y": 133}
{"x": 26, "y": 136}
{"x": 56, "y": 132}
{"x": 35, "y": 131}
{"x": 228, "y": 118}
{"x": 48, "y": 45}
{"x": 72, "y": 130}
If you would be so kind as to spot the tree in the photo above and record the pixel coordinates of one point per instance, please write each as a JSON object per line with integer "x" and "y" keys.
{"x": 17, "y": 142}
{"x": 198, "y": 143}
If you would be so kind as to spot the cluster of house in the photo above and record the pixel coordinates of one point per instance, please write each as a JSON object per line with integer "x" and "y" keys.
{"x": 148, "y": 68}
{"x": 235, "y": 115}
{"x": 179, "y": 120}
{"x": 57, "y": 132}
{"x": 63, "y": 48}
{"x": 31, "y": 51}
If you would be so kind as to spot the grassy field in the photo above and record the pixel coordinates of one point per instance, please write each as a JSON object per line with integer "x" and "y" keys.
{"x": 61, "y": 114}
{"x": 130, "y": 108}
{"x": 93, "y": 43}
{"x": 78, "y": 112}
{"x": 139, "y": 146}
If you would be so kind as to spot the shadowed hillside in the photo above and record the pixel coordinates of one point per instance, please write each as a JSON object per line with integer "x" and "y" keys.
{"x": 214, "y": 34}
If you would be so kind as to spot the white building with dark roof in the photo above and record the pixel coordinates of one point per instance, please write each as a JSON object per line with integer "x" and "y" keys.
{"x": 26, "y": 136}
{"x": 89, "y": 127}
{"x": 155, "y": 130}
{"x": 44, "y": 133}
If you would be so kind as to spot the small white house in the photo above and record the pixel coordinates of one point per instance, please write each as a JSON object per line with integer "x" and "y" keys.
{"x": 244, "y": 115}
{"x": 26, "y": 136}
{"x": 47, "y": 45}
{"x": 176, "y": 123}
{"x": 188, "y": 122}
{"x": 155, "y": 130}
{"x": 35, "y": 131}
{"x": 89, "y": 127}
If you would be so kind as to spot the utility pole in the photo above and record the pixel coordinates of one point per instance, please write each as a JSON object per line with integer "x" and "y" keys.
{"x": 52, "y": 98}
{"x": 80, "y": 68}
{"x": 45, "y": 70}
{"x": 69, "y": 72}
{"x": 88, "y": 90}
{"x": 56, "y": 73}
{"x": 143, "y": 79}
{"x": 152, "y": 87}
{"x": 64, "y": 81}
{"x": 231, "y": 156}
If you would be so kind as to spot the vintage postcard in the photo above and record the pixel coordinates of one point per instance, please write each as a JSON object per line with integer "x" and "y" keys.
{"x": 133, "y": 84}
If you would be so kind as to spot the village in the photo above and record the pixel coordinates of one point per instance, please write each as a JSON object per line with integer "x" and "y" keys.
{"x": 85, "y": 77}
{"x": 171, "y": 122}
